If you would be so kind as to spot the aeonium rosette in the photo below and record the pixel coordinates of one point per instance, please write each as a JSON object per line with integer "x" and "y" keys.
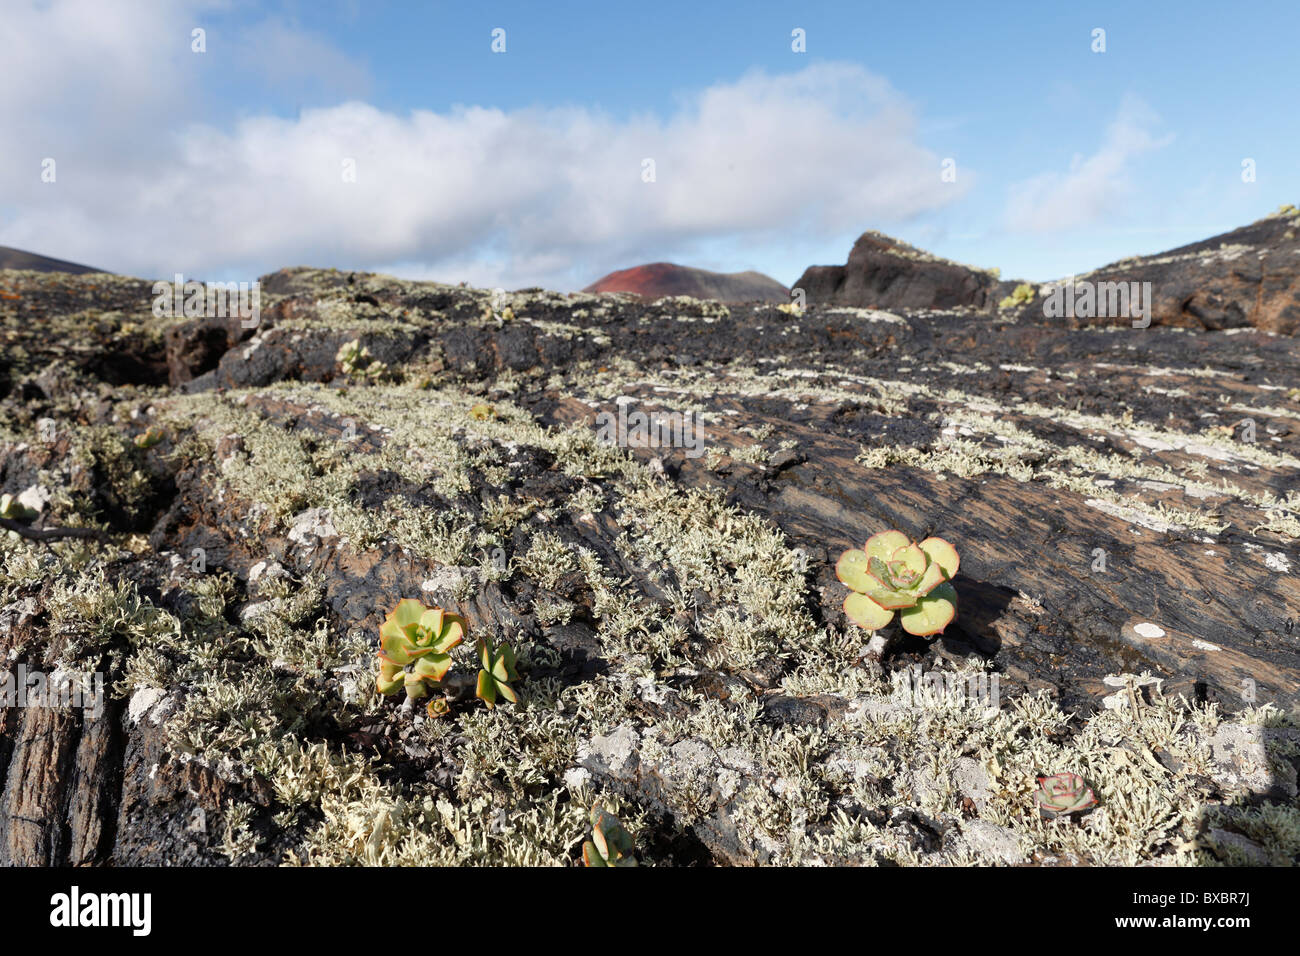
{"x": 416, "y": 644}
{"x": 892, "y": 573}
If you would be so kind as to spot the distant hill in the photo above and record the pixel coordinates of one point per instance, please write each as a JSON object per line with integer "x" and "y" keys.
{"x": 665, "y": 278}
{"x": 17, "y": 259}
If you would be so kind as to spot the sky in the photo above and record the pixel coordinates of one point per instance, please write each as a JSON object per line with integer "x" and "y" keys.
{"x": 393, "y": 137}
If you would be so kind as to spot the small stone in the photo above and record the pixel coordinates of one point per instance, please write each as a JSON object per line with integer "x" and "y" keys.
{"x": 143, "y": 701}
{"x": 993, "y": 842}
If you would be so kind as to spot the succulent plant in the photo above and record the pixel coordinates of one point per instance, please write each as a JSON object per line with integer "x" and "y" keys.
{"x": 416, "y": 642}
{"x": 149, "y": 437}
{"x": 1023, "y": 293}
{"x": 891, "y": 573}
{"x": 498, "y": 667}
{"x": 482, "y": 412}
{"x": 610, "y": 844}
{"x": 1064, "y": 793}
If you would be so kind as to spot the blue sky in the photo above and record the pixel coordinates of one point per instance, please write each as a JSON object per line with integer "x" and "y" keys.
{"x": 524, "y": 167}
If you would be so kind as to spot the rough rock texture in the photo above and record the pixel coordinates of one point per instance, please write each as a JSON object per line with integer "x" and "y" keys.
{"x": 1123, "y": 500}
{"x": 660, "y": 279}
{"x": 1247, "y": 278}
{"x": 886, "y": 273}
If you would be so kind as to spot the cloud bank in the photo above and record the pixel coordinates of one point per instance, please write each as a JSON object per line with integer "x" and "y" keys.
{"x": 545, "y": 196}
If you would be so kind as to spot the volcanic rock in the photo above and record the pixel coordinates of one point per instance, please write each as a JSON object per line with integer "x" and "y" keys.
{"x": 886, "y": 273}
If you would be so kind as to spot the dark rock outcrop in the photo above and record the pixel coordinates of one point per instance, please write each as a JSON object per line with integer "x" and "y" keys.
{"x": 886, "y": 273}
{"x": 660, "y": 279}
{"x": 1249, "y": 277}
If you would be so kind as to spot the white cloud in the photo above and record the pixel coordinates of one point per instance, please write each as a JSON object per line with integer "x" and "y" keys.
{"x": 526, "y": 197}
{"x": 1095, "y": 187}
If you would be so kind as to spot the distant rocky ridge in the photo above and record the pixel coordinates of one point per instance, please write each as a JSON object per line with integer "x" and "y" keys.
{"x": 659, "y": 279}
{"x": 1246, "y": 278}
{"x": 17, "y": 259}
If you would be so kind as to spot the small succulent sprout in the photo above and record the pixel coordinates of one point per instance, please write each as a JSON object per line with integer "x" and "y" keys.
{"x": 149, "y": 437}
{"x": 1064, "y": 793}
{"x": 482, "y": 412}
{"x": 498, "y": 668}
{"x": 416, "y": 643}
{"x": 891, "y": 573}
{"x": 610, "y": 844}
{"x": 1023, "y": 293}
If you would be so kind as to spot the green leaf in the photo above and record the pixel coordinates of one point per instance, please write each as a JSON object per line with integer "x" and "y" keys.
{"x": 508, "y": 656}
{"x": 866, "y": 613}
{"x": 851, "y": 569}
{"x": 487, "y": 689}
{"x": 932, "y": 613}
{"x": 942, "y": 554}
{"x": 396, "y": 648}
{"x": 507, "y": 692}
{"x": 390, "y": 678}
{"x": 884, "y": 544}
{"x": 912, "y": 557}
{"x": 431, "y": 622}
{"x": 433, "y": 666}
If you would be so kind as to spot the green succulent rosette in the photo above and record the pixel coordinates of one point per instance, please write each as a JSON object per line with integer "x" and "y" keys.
{"x": 892, "y": 573}
{"x": 416, "y": 643}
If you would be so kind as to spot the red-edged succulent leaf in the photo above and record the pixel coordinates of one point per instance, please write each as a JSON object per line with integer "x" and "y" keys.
{"x": 851, "y": 569}
{"x": 453, "y": 632}
{"x": 932, "y": 578}
{"x": 438, "y": 707}
{"x": 1064, "y": 793}
{"x": 431, "y": 621}
{"x": 878, "y": 571}
{"x": 881, "y": 589}
{"x": 943, "y": 554}
{"x": 432, "y": 667}
{"x": 403, "y": 618}
{"x": 396, "y": 648}
{"x": 507, "y": 692}
{"x": 484, "y": 654}
{"x": 866, "y": 613}
{"x": 508, "y": 658}
{"x": 932, "y": 613}
{"x": 591, "y": 856}
{"x": 912, "y": 558}
{"x": 884, "y": 544}
{"x": 389, "y": 680}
